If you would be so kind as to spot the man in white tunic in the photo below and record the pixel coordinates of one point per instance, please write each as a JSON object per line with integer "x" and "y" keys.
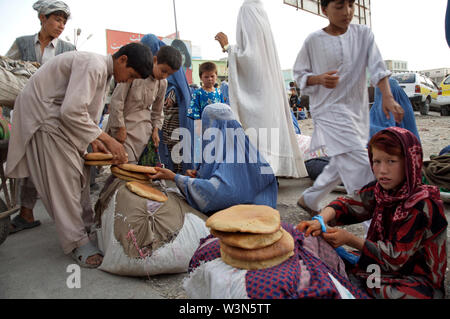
{"x": 331, "y": 69}
{"x": 56, "y": 118}
{"x": 257, "y": 93}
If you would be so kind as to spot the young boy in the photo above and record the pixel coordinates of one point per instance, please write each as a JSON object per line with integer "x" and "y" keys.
{"x": 51, "y": 137}
{"x": 136, "y": 109}
{"x": 39, "y": 48}
{"x": 207, "y": 94}
{"x": 331, "y": 69}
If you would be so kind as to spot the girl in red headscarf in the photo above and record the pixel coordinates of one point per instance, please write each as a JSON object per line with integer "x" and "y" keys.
{"x": 404, "y": 254}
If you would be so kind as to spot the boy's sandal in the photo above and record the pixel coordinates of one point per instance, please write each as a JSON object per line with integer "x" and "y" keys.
{"x": 85, "y": 252}
{"x": 301, "y": 204}
{"x": 20, "y": 223}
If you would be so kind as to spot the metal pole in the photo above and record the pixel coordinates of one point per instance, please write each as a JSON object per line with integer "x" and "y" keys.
{"x": 175, "y": 14}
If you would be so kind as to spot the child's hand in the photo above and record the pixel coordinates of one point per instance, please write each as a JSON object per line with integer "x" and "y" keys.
{"x": 329, "y": 79}
{"x": 337, "y": 237}
{"x": 191, "y": 173}
{"x": 121, "y": 135}
{"x": 162, "y": 173}
{"x": 390, "y": 105}
{"x": 155, "y": 137}
{"x": 312, "y": 227}
{"x": 222, "y": 38}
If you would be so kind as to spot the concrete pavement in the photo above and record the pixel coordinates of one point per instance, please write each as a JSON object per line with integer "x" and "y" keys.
{"x": 32, "y": 264}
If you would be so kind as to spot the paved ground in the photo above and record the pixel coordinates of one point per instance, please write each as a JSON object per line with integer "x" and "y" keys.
{"x": 32, "y": 265}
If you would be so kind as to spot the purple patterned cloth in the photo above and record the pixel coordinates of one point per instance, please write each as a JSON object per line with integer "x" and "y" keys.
{"x": 288, "y": 280}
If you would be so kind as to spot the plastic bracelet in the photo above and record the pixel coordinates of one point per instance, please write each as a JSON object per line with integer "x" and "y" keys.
{"x": 226, "y": 47}
{"x": 322, "y": 224}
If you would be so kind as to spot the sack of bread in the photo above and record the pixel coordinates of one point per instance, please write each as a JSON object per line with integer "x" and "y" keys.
{"x": 140, "y": 237}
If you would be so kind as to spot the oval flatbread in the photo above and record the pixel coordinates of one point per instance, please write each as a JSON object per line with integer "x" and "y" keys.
{"x": 247, "y": 240}
{"x": 138, "y": 176}
{"x": 97, "y": 163}
{"x": 279, "y": 248}
{"x": 98, "y": 156}
{"x": 254, "y": 265}
{"x": 138, "y": 168}
{"x": 146, "y": 191}
{"x": 257, "y": 219}
{"x": 127, "y": 178}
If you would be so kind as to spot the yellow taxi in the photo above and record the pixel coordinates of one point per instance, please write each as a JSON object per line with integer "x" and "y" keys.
{"x": 420, "y": 89}
{"x": 444, "y": 96}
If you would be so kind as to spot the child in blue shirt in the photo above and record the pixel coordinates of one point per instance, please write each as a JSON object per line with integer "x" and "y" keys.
{"x": 207, "y": 94}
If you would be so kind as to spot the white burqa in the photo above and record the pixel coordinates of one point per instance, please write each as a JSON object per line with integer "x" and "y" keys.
{"x": 257, "y": 93}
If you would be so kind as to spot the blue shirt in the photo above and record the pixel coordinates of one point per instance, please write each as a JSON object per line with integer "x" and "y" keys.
{"x": 201, "y": 99}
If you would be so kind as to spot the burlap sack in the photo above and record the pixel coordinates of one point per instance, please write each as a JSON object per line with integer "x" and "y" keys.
{"x": 14, "y": 75}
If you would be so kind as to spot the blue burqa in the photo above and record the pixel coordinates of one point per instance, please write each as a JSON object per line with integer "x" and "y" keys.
{"x": 232, "y": 171}
{"x": 378, "y": 120}
{"x": 179, "y": 84}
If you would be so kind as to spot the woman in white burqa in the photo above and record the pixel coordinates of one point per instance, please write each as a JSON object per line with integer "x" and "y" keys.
{"x": 257, "y": 93}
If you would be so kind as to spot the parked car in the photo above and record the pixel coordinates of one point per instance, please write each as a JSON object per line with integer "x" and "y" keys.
{"x": 443, "y": 99}
{"x": 421, "y": 90}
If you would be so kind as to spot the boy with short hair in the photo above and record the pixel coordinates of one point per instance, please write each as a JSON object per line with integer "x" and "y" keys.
{"x": 51, "y": 137}
{"x": 207, "y": 94}
{"x": 136, "y": 109}
{"x": 331, "y": 69}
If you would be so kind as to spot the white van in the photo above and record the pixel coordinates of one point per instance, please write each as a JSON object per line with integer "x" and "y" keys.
{"x": 420, "y": 90}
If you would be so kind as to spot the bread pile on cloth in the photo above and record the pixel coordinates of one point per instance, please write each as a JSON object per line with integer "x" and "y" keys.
{"x": 251, "y": 237}
{"x": 306, "y": 267}
{"x": 155, "y": 232}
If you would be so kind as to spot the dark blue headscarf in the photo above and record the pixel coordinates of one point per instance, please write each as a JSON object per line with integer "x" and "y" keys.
{"x": 176, "y": 82}
{"x": 233, "y": 172}
{"x": 378, "y": 120}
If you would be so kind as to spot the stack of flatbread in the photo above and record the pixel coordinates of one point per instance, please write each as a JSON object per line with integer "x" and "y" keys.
{"x": 251, "y": 236}
{"x": 132, "y": 172}
{"x": 98, "y": 159}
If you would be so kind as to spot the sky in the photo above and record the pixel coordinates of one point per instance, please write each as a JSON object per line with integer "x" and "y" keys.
{"x": 407, "y": 30}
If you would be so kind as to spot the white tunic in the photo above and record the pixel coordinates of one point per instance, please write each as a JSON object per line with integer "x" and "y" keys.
{"x": 257, "y": 93}
{"x": 340, "y": 115}
{"x": 65, "y": 93}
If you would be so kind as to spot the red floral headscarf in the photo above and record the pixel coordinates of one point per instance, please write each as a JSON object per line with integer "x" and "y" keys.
{"x": 411, "y": 192}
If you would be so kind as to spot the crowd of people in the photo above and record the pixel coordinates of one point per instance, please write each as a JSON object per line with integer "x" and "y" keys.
{"x": 377, "y": 155}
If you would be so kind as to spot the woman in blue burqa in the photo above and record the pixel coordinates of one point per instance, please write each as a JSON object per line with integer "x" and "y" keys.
{"x": 378, "y": 120}
{"x": 178, "y": 98}
{"x": 231, "y": 170}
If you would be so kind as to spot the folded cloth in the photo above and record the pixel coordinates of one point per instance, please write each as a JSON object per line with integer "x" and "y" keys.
{"x": 437, "y": 171}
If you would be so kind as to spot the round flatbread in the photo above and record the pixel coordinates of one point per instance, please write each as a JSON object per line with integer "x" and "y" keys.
{"x": 98, "y": 156}
{"x": 137, "y": 168}
{"x": 248, "y": 240}
{"x": 279, "y": 248}
{"x": 254, "y": 265}
{"x": 137, "y": 176}
{"x": 127, "y": 178}
{"x": 146, "y": 191}
{"x": 257, "y": 219}
{"x": 97, "y": 163}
